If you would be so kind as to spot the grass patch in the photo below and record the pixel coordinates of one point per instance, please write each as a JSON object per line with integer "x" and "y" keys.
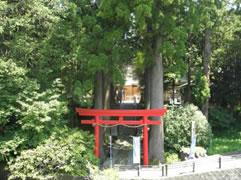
{"x": 225, "y": 142}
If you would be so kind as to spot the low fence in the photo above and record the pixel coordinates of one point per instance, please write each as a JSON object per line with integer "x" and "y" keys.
{"x": 200, "y": 165}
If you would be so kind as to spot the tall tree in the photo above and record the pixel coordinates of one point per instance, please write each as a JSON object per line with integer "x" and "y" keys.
{"x": 159, "y": 28}
{"x": 226, "y": 66}
{"x": 211, "y": 14}
{"x": 201, "y": 38}
{"x": 206, "y": 65}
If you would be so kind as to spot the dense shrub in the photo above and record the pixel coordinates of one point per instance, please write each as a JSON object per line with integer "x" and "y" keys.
{"x": 220, "y": 118}
{"x": 178, "y": 127}
{"x": 36, "y": 142}
{"x": 12, "y": 81}
{"x": 65, "y": 153}
{"x": 39, "y": 117}
{"x": 106, "y": 174}
{"x": 171, "y": 157}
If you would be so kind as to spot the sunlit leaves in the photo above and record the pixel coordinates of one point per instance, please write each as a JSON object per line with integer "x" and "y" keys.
{"x": 178, "y": 127}
{"x": 12, "y": 82}
{"x": 201, "y": 91}
{"x": 65, "y": 152}
{"x": 143, "y": 10}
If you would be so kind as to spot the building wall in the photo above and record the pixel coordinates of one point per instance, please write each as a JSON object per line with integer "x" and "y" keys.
{"x": 131, "y": 91}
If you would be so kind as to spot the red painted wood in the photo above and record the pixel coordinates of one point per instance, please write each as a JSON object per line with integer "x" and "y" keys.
{"x": 124, "y": 122}
{"x": 122, "y": 112}
{"x": 97, "y": 139}
{"x": 97, "y": 122}
{"x": 121, "y": 119}
{"x": 145, "y": 143}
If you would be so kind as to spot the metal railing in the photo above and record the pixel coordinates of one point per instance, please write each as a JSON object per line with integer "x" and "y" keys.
{"x": 200, "y": 165}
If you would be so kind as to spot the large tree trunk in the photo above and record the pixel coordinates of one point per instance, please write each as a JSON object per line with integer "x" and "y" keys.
{"x": 147, "y": 90}
{"x": 112, "y": 95}
{"x": 108, "y": 97}
{"x": 206, "y": 65}
{"x": 107, "y": 91}
{"x": 99, "y": 91}
{"x": 156, "y": 145}
{"x": 99, "y": 104}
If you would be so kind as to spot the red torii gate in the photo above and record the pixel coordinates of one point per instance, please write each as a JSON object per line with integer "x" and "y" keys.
{"x": 144, "y": 115}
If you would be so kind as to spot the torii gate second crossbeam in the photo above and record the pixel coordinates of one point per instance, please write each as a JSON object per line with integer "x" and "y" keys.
{"x": 144, "y": 115}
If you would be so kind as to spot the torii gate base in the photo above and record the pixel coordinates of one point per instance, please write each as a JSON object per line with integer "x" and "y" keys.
{"x": 97, "y": 121}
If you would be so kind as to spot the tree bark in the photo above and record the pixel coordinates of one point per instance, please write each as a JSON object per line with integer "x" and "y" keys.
{"x": 206, "y": 65}
{"x": 147, "y": 90}
{"x": 156, "y": 144}
{"x": 107, "y": 91}
{"x": 99, "y": 104}
{"x": 112, "y": 95}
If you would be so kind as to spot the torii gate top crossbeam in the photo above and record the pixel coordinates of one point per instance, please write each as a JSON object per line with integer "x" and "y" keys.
{"x": 121, "y": 114}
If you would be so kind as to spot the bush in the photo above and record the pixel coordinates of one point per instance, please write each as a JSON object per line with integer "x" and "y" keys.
{"x": 106, "y": 174}
{"x": 65, "y": 153}
{"x": 12, "y": 81}
{"x": 178, "y": 122}
{"x": 171, "y": 157}
{"x": 220, "y": 118}
{"x": 38, "y": 145}
{"x": 39, "y": 117}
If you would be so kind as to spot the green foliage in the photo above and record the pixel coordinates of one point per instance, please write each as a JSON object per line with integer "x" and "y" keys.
{"x": 226, "y": 72}
{"x": 34, "y": 115}
{"x": 171, "y": 157}
{"x": 143, "y": 11}
{"x": 12, "y": 144}
{"x": 237, "y": 111}
{"x": 63, "y": 40}
{"x": 25, "y": 25}
{"x": 226, "y": 141}
{"x": 44, "y": 111}
{"x": 65, "y": 152}
{"x": 36, "y": 144}
{"x": 201, "y": 90}
{"x": 108, "y": 174}
{"x": 40, "y": 114}
{"x": 220, "y": 118}
{"x": 12, "y": 81}
{"x": 178, "y": 127}
{"x": 83, "y": 93}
